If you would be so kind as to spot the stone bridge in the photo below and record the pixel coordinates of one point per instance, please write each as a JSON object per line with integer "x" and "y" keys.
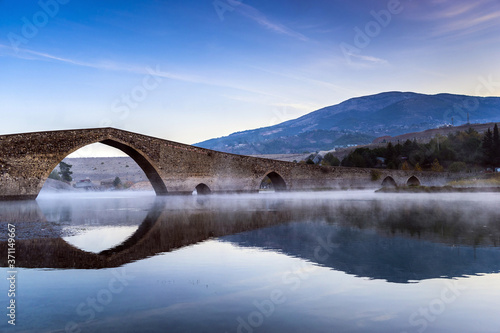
{"x": 27, "y": 159}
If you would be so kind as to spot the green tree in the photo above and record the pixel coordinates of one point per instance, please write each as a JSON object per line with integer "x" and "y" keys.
{"x": 54, "y": 175}
{"x": 496, "y": 146}
{"x": 390, "y": 152}
{"x": 487, "y": 146}
{"x": 117, "y": 182}
{"x": 398, "y": 148}
{"x": 436, "y": 167}
{"x": 467, "y": 146}
{"x": 391, "y": 155}
{"x": 457, "y": 167}
{"x": 407, "y": 148}
{"x": 65, "y": 172}
{"x": 361, "y": 158}
{"x": 358, "y": 160}
{"x": 330, "y": 159}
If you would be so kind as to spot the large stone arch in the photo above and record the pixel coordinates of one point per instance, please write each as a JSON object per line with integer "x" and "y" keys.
{"x": 140, "y": 158}
{"x": 278, "y": 182}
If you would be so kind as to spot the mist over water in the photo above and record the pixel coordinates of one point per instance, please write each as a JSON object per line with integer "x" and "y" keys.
{"x": 354, "y": 261}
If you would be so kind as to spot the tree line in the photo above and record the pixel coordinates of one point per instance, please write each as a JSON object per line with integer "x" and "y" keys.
{"x": 457, "y": 152}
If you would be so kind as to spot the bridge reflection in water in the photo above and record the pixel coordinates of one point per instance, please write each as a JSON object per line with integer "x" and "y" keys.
{"x": 376, "y": 238}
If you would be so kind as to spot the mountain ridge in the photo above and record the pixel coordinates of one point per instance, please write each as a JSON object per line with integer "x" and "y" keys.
{"x": 359, "y": 120}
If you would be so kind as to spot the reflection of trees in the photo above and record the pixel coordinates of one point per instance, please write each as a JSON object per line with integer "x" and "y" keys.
{"x": 382, "y": 240}
{"x": 365, "y": 253}
{"x": 460, "y": 223}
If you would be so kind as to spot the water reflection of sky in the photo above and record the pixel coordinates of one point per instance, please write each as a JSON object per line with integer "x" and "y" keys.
{"x": 269, "y": 279}
{"x": 98, "y": 239}
{"x": 209, "y": 286}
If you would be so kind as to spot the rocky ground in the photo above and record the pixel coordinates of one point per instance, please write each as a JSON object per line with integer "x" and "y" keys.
{"x": 99, "y": 169}
{"x": 284, "y": 157}
{"x": 102, "y": 168}
{"x": 56, "y": 186}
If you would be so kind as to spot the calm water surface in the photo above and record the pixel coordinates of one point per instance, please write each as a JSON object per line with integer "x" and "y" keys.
{"x": 289, "y": 262}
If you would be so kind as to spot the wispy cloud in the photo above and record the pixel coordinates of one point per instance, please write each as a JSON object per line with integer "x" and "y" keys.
{"x": 452, "y": 9}
{"x": 134, "y": 69}
{"x": 309, "y": 79}
{"x": 35, "y": 55}
{"x": 460, "y": 18}
{"x": 104, "y": 65}
{"x": 370, "y": 59}
{"x": 470, "y": 25}
{"x": 361, "y": 61}
{"x": 255, "y": 15}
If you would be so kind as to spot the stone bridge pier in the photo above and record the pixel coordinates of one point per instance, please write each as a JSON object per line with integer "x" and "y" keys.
{"x": 27, "y": 159}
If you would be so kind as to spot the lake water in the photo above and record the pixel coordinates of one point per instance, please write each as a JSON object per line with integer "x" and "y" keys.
{"x": 353, "y": 261}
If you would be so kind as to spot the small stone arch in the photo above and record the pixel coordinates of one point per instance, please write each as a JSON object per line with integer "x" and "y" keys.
{"x": 413, "y": 181}
{"x": 389, "y": 182}
{"x": 278, "y": 182}
{"x": 203, "y": 189}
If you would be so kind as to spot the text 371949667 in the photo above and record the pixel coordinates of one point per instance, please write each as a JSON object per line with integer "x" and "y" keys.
{"x": 11, "y": 262}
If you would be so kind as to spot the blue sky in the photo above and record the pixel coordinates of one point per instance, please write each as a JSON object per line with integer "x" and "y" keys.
{"x": 193, "y": 70}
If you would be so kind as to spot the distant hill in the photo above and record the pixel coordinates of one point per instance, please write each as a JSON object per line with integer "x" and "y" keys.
{"x": 99, "y": 169}
{"x": 427, "y": 135}
{"x": 359, "y": 121}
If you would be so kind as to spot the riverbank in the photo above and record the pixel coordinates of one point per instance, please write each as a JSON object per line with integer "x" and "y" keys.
{"x": 437, "y": 189}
